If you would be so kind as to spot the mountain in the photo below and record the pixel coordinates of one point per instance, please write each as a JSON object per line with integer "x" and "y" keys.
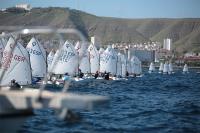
{"x": 185, "y": 32}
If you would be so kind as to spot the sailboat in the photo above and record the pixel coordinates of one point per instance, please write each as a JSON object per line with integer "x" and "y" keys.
{"x": 136, "y": 66}
{"x": 83, "y": 59}
{"x": 84, "y": 65}
{"x": 128, "y": 66}
{"x": 185, "y": 69}
{"x": 161, "y": 67}
{"x": 119, "y": 65}
{"x": 21, "y": 103}
{"x": 15, "y": 64}
{"x": 152, "y": 68}
{"x": 37, "y": 58}
{"x": 166, "y": 68}
{"x": 108, "y": 60}
{"x": 93, "y": 58}
{"x": 123, "y": 65}
{"x": 171, "y": 71}
{"x": 50, "y": 59}
{"x": 15, "y": 103}
{"x": 66, "y": 59}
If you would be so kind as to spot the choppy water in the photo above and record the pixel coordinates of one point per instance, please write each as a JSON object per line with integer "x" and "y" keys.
{"x": 153, "y": 103}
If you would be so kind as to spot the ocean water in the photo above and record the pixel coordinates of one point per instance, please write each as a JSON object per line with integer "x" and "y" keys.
{"x": 153, "y": 103}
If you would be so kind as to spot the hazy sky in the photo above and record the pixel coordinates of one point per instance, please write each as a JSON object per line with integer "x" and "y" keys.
{"x": 122, "y": 8}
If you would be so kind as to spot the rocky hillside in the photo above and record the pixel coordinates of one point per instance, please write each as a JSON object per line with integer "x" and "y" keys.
{"x": 184, "y": 32}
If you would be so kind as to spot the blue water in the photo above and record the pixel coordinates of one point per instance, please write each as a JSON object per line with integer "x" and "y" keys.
{"x": 153, "y": 103}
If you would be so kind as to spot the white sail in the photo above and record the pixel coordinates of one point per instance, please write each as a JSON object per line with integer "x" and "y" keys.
{"x": 83, "y": 57}
{"x": 81, "y": 48}
{"x": 84, "y": 65}
{"x": 136, "y": 65}
{"x": 93, "y": 58}
{"x": 108, "y": 61}
{"x": 123, "y": 65}
{"x": 16, "y": 64}
{"x": 54, "y": 61}
{"x": 65, "y": 60}
{"x": 101, "y": 50}
{"x": 166, "y": 68}
{"x": 161, "y": 67}
{"x": 119, "y": 64}
{"x": 3, "y": 41}
{"x": 50, "y": 59}
{"x": 140, "y": 67}
{"x": 170, "y": 68}
{"x": 37, "y": 58}
{"x": 185, "y": 68}
{"x": 77, "y": 45}
{"x": 2, "y": 46}
{"x": 152, "y": 67}
{"x": 129, "y": 54}
{"x": 128, "y": 67}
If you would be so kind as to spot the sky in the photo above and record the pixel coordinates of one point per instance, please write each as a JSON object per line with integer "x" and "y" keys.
{"x": 122, "y": 8}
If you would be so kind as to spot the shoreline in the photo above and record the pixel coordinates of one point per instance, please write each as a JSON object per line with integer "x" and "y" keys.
{"x": 192, "y": 67}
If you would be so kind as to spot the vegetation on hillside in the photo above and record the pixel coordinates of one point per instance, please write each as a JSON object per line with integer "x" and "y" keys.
{"x": 185, "y": 33}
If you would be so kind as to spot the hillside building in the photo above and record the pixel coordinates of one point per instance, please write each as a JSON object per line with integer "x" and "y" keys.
{"x": 167, "y": 44}
{"x": 26, "y": 7}
{"x": 96, "y": 41}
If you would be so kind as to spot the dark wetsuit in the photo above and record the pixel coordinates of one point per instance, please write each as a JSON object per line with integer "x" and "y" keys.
{"x": 15, "y": 86}
{"x": 106, "y": 76}
{"x": 96, "y": 75}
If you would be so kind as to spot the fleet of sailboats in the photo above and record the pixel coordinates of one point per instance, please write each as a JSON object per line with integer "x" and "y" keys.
{"x": 69, "y": 60}
{"x": 167, "y": 68}
{"x": 24, "y": 64}
{"x": 19, "y": 64}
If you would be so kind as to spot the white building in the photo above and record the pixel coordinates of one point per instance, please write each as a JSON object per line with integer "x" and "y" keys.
{"x": 24, "y": 6}
{"x": 96, "y": 41}
{"x": 167, "y": 44}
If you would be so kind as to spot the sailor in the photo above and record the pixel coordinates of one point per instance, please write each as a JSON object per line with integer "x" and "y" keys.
{"x": 15, "y": 85}
{"x": 106, "y": 76}
{"x": 66, "y": 77}
{"x": 96, "y": 75}
{"x": 80, "y": 73}
{"x": 127, "y": 74}
{"x": 103, "y": 74}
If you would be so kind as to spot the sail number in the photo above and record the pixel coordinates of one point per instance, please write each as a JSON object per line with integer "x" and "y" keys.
{"x": 66, "y": 56}
{"x": 7, "y": 58}
{"x": 35, "y": 52}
